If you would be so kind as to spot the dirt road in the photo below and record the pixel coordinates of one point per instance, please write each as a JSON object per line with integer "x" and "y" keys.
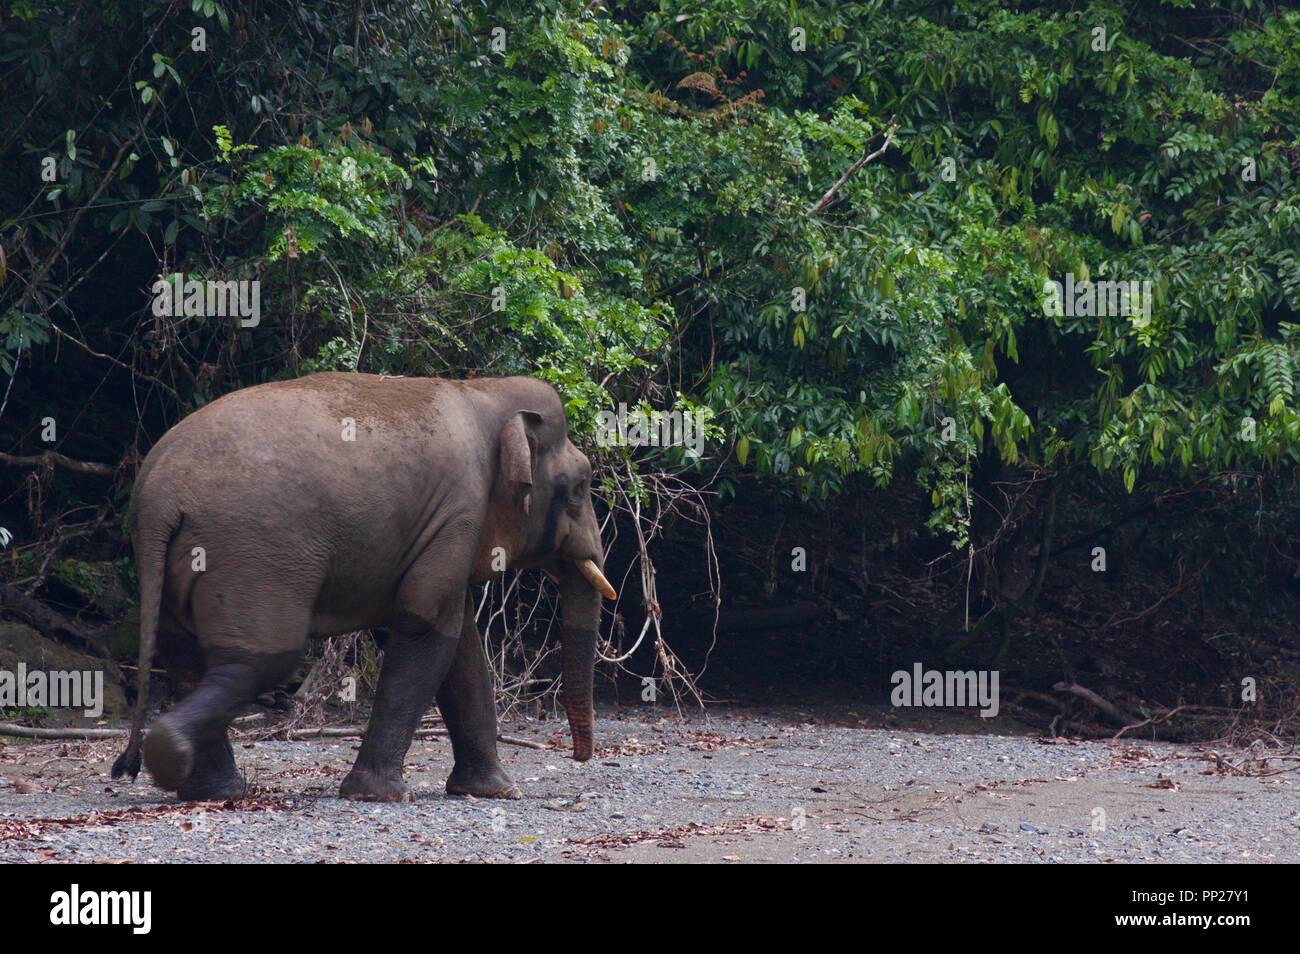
{"x": 735, "y": 786}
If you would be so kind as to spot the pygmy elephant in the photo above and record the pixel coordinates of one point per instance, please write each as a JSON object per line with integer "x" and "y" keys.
{"x": 341, "y": 502}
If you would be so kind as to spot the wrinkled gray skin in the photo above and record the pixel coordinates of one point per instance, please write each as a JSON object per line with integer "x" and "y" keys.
{"x": 305, "y": 534}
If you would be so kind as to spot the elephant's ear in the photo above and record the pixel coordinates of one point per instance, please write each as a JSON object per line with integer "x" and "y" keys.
{"x": 519, "y": 448}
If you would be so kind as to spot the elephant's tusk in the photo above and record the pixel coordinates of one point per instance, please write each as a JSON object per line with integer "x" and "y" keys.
{"x": 597, "y": 579}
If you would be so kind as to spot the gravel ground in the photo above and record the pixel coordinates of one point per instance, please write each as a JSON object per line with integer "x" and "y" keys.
{"x": 735, "y": 785}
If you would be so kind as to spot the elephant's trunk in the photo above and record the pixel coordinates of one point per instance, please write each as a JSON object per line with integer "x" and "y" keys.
{"x": 580, "y": 610}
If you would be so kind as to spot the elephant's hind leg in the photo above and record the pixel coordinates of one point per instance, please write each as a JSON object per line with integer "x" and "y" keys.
{"x": 213, "y": 776}
{"x": 190, "y": 740}
{"x": 468, "y": 705}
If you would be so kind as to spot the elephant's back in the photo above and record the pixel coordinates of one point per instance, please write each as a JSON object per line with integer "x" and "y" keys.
{"x": 321, "y": 406}
{"x": 327, "y": 444}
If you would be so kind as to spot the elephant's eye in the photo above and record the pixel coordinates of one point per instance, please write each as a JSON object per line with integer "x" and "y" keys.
{"x": 577, "y": 493}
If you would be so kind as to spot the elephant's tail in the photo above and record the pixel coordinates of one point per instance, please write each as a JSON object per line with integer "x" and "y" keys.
{"x": 151, "y": 543}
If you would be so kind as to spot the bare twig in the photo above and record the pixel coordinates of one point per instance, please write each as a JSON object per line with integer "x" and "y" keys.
{"x": 1183, "y": 583}
{"x": 44, "y": 268}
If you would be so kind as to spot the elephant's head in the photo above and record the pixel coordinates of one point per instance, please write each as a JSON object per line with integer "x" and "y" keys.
{"x": 541, "y": 514}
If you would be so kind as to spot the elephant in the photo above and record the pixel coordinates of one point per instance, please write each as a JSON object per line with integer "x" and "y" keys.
{"x": 338, "y": 502}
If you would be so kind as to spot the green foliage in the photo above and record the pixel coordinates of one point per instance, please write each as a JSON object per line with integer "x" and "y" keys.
{"x": 623, "y": 204}
{"x": 18, "y": 332}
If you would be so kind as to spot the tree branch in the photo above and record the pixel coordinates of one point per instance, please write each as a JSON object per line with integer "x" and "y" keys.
{"x": 867, "y": 157}
{"x": 50, "y": 458}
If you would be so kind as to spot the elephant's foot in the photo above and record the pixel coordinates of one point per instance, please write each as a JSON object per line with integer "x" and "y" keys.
{"x": 168, "y": 755}
{"x": 489, "y": 782}
{"x": 362, "y": 785}
{"x": 214, "y": 776}
{"x": 213, "y": 790}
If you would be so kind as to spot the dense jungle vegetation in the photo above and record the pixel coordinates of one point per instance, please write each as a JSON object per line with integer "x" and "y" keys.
{"x": 826, "y": 227}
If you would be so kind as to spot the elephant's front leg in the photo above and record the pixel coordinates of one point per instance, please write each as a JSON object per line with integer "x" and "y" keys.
{"x": 468, "y": 707}
{"x": 415, "y": 664}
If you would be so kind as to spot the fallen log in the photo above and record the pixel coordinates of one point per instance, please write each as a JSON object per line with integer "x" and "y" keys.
{"x": 30, "y": 732}
{"x": 356, "y": 731}
{"x": 49, "y": 621}
{"x": 1118, "y": 715}
{"x": 294, "y": 735}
